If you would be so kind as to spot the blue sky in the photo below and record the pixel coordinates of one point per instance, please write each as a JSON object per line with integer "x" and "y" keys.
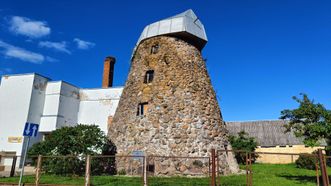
{"x": 259, "y": 53}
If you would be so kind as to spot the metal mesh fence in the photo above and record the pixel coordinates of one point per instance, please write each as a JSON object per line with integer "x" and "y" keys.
{"x": 61, "y": 169}
{"x": 168, "y": 170}
{"x": 283, "y": 170}
{"x": 328, "y": 162}
{"x": 117, "y": 170}
{"x": 11, "y": 167}
{"x": 172, "y": 170}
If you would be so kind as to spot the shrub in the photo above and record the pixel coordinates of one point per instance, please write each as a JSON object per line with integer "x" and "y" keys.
{"x": 77, "y": 141}
{"x": 306, "y": 161}
{"x": 245, "y": 143}
{"x": 121, "y": 172}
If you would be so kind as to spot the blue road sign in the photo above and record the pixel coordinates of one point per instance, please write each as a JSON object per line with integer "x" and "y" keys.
{"x": 137, "y": 154}
{"x": 30, "y": 129}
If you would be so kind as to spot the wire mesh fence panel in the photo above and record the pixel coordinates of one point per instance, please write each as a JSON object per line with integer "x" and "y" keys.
{"x": 117, "y": 170}
{"x": 266, "y": 168}
{"x": 11, "y": 168}
{"x": 62, "y": 170}
{"x": 181, "y": 171}
{"x": 328, "y": 167}
{"x": 278, "y": 168}
{"x": 238, "y": 179}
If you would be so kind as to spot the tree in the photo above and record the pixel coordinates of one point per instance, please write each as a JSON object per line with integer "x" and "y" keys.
{"x": 310, "y": 120}
{"x": 244, "y": 143}
{"x": 77, "y": 142}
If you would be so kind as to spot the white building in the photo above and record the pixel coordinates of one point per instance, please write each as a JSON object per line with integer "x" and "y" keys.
{"x": 51, "y": 104}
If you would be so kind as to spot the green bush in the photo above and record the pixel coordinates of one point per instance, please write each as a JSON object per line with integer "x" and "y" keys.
{"x": 121, "y": 172}
{"x": 306, "y": 161}
{"x": 77, "y": 141}
{"x": 244, "y": 143}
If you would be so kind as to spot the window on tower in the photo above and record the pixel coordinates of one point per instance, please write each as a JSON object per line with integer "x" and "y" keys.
{"x": 142, "y": 109}
{"x": 155, "y": 49}
{"x": 149, "y": 76}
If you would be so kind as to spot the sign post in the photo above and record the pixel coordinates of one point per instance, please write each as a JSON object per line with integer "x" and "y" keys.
{"x": 30, "y": 130}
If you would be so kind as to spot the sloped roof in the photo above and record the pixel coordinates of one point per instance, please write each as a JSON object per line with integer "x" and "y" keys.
{"x": 267, "y": 133}
{"x": 186, "y": 26}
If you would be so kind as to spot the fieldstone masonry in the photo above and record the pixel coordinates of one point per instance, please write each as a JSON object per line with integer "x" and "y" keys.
{"x": 181, "y": 115}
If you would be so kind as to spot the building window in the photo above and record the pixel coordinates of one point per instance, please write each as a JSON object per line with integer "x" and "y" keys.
{"x": 151, "y": 168}
{"x": 149, "y": 76}
{"x": 142, "y": 109}
{"x": 155, "y": 49}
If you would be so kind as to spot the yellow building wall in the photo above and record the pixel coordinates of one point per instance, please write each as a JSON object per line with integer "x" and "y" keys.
{"x": 282, "y": 159}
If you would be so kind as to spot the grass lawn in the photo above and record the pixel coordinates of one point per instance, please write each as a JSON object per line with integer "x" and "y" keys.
{"x": 263, "y": 175}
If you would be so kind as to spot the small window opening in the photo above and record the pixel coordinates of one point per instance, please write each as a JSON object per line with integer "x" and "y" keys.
{"x": 142, "y": 109}
{"x": 149, "y": 76}
{"x": 155, "y": 49}
{"x": 151, "y": 168}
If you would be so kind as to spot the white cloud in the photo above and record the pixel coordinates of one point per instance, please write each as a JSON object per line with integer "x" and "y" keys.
{"x": 20, "y": 53}
{"x": 83, "y": 45}
{"x": 11, "y": 51}
{"x": 27, "y": 27}
{"x": 50, "y": 59}
{"x": 59, "y": 46}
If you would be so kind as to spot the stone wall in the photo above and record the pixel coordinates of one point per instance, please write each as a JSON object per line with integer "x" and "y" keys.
{"x": 183, "y": 117}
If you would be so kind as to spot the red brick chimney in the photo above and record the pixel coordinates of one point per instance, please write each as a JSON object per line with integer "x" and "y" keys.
{"x": 108, "y": 72}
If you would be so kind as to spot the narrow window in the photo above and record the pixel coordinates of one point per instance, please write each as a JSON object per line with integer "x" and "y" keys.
{"x": 155, "y": 49}
{"x": 151, "y": 168}
{"x": 142, "y": 109}
{"x": 149, "y": 76}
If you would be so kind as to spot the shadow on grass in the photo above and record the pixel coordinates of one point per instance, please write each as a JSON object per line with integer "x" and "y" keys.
{"x": 299, "y": 179}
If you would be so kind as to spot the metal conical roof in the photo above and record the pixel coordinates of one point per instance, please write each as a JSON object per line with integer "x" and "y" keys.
{"x": 186, "y": 26}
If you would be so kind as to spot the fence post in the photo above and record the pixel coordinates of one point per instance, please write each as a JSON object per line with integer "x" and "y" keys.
{"x": 38, "y": 170}
{"x": 13, "y": 166}
{"x": 88, "y": 170}
{"x": 218, "y": 182}
{"x": 250, "y": 170}
{"x": 247, "y": 169}
{"x": 317, "y": 175}
{"x": 213, "y": 167}
{"x": 145, "y": 170}
{"x": 324, "y": 173}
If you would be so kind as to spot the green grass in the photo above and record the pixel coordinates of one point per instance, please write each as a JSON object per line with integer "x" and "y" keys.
{"x": 275, "y": 174}
{"x": 263, "y": 175}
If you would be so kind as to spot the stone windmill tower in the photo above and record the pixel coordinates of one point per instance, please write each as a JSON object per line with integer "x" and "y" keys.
{"x": 168, "y": 105}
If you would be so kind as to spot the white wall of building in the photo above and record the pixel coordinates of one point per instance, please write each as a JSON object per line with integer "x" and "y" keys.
{"x": 16, "y": 108}
{"x": 34, "y": 98}
{"x": 50, "y": 113}
{"x": 69, "y": 105}
{"x": 61, "y": 106}
{"x": 97, "y": 104}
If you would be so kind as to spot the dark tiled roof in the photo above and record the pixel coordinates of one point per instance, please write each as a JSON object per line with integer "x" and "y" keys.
{"x": 267, "y": 133}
